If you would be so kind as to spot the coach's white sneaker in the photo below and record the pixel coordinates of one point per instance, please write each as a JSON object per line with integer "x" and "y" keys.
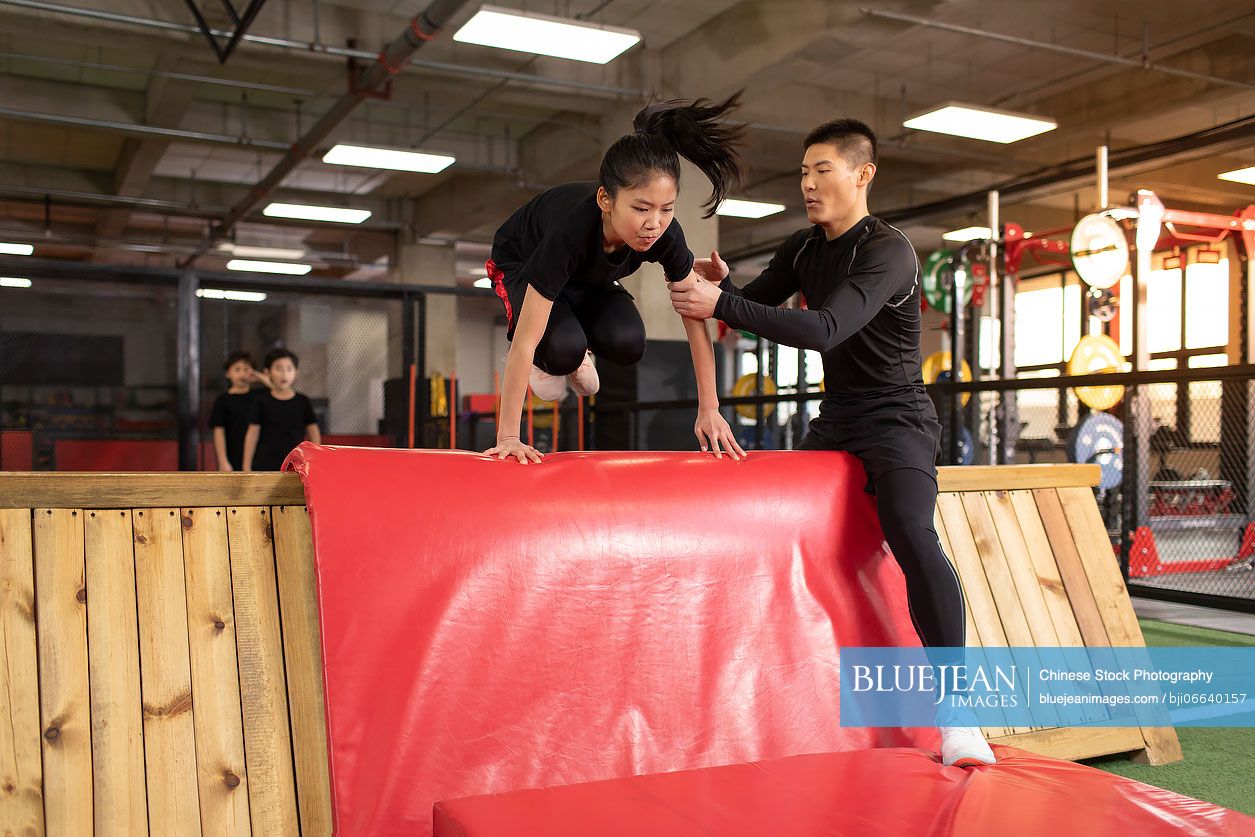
{"x": 965, "y": 747}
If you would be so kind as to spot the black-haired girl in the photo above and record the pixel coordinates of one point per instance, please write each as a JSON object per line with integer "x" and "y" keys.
{"x": 556, "y": 265}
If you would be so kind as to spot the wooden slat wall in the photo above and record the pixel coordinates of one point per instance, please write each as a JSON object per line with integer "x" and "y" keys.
{"x": 197, "y": 706}
{"x": 113, "y": 656}
{"x": 302, "y": 653}
{"x": 263, "y": 689}
{"x": 21, "y": 769}
{"x": 64, "y": 698}
{"x": 166, "y": 674}
{"x": 223, "y": 780}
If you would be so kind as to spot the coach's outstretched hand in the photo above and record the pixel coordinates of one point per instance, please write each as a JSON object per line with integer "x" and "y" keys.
{"x": 713, "y": 269}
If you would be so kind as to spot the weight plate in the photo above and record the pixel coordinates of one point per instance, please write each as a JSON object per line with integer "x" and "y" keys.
{"x": 938, "y": 280}
{"x": 744, "y": 387}
{"x": 1099, "y": 440}
{"x": 1097, "y": 353}
{"x": 936, "y": 370}
{"x": 967, "y": 448}
{"x": 1100, "y": 251}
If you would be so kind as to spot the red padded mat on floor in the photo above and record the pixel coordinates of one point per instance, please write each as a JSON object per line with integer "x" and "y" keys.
{"x": 490, "y": 627}
{"x": 890, "y": 791}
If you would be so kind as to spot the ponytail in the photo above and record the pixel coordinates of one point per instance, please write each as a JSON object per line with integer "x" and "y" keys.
{"x": 665, "y": 131}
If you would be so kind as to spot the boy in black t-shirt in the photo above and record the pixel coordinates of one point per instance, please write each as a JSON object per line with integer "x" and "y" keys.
{"x": 280, "y": 419}
{"x": 231, "y": 410}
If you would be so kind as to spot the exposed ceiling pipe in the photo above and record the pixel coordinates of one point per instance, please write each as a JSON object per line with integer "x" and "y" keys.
{"x": 139, "y": 130}
{"x": 424, "y": 27}
{"x": 324, "y": 49}
{"x": 71, "y": 198}
{"x": 1142, "y": 63}
{"x": 231, "y": 83}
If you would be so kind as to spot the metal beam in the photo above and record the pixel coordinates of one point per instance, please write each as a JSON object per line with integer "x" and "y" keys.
{"x": 1142, "y": 63}
{"x": 1064, "y": 176}
{"x": 424, "y": 27}
{"x": 324, "y": 49}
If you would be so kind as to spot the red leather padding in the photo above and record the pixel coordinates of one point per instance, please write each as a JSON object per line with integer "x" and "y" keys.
{"x": 887, "y": 791}
{"x": 489, "y": 626}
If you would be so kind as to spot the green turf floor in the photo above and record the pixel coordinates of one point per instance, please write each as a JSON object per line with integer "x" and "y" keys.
{"x": 1219, "y": 764}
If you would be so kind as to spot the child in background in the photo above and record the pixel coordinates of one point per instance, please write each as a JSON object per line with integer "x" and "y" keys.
{"x": 280, "y": 419}
{"x": 232, "y": 409}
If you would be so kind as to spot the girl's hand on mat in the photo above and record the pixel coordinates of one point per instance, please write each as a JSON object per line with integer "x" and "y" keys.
{"x": 513, "y": 447}
{"x": 715, "y": 434}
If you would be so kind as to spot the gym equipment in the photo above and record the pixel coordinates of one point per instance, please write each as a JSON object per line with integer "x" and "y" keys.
{"x": 834, "y": 793}
{"x": 936, "y": 370}
{"x": 1097, "y": 353}
{"x": 744, "y": 388}
{"x": 483, "y": 651}
{"x": 1102, "y": 304}
{"x": 967, "y": 448}
{"x": 938, "y": 280}
{"x": 1099, "y": 439}
{"x": 1099, "y": 251}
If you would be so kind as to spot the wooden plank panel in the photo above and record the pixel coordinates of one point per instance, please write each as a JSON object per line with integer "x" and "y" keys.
{"x": 1043, "y": 560}
{"x": 1112, "y": 597}
{"x": 1054, "y": 597}
{"x": 980, "y": 603}
{"x": 1023, "y": 574}
{"x": 1071, "y": 571}
{"x": 26, "y": 490}
{"x": 1006, "y": 477}
{"x": 1071, "y": 744}
{"x": 971, "y": 572}
{"x": 21, "y": 773}
{"x": 1001, "y": 585}
{"x": 222, "y": 777}
{"x": 113, "y": 658}
{"x": 971, "y": 635}
{"x": 263, "y": 690}
{"x": 165, "y": 666}
{"x": 64, "y": 698}
{"x": 302, "y": 653}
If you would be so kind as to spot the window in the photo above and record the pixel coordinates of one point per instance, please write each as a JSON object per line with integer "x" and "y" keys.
{"x": 1047, "y": 324}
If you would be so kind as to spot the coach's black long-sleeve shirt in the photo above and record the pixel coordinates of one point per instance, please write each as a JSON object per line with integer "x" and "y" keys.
{"x": 864, "y": 317}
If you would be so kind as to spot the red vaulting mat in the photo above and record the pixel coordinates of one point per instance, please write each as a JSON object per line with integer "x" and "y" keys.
{"x": 889, "y": 791}
{"x": 489, "y": 626}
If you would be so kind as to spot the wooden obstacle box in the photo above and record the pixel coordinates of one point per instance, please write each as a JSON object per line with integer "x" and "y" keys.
{"x": 163, "y": 661}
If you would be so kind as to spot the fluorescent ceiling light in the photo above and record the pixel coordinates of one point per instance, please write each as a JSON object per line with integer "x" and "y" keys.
{"x": 269, "y": 267}
{"x": 14, "y": 282}
{"x": 545, "y": 35}
{"x": 980, "y": 123}
{"x": 16, "y": 249}
{"x": 972, "y": 234}
{"x": 738, "y": 208}
{"x": 245, "y": 251}
{"x": 483, "y": 283}
{"x": 392, "y": 159}
{"x": 338, "y": 214}
{"x": 238, "y": 296}
{"x": 966, "y": 234}
{"x": 1246, "y": 175}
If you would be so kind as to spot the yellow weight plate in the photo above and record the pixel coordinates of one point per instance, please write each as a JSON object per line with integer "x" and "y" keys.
{"x": 939, "y": 362}
{"x": 1097, "y": 354}
{"x": 744, "y": 387}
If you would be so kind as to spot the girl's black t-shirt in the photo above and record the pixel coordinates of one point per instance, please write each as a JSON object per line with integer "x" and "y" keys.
{"x": 556, "y": 238}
